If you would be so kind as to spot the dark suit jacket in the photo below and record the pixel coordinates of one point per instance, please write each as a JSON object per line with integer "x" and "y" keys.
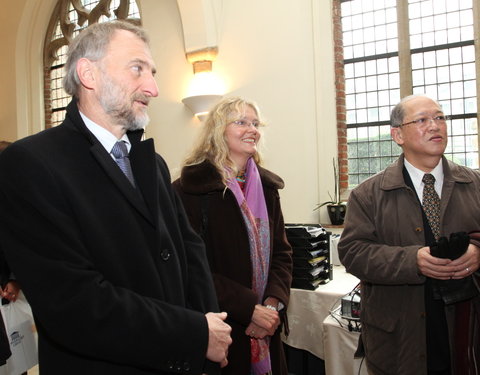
{"x": 227, "y": 245}
{"x": 117, "y": 280}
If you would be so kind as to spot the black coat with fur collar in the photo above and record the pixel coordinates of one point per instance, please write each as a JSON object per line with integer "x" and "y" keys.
{"x": 227, "y": 246}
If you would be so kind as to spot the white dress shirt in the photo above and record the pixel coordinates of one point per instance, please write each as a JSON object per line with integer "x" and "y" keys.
{"x": 106, "y": 138}
{"x": 417, "y": 175}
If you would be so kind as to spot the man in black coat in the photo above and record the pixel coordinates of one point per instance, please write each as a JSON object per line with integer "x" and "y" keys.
{"x": 117, "y": 279}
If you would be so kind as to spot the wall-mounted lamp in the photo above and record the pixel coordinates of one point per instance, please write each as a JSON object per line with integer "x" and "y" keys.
{"x": 206, "y": 88}
{"x": 201, "y": 104}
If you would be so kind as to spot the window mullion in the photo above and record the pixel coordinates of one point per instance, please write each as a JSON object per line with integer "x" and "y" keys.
{"x": 476, "y": 33}
{"x": 404, "y": 56}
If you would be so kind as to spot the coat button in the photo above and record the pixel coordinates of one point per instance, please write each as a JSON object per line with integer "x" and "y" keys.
{"x": 418, "y": 229}
{"x": 170, "y": 365}
{"x": 178, "y": 367}
{"x": 186, "y": 366}
{"x": 165, "y": 254}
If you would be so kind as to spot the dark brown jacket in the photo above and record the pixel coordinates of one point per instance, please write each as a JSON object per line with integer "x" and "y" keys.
{"x": 382, "y": 235}
{"x": 227, "y": 246}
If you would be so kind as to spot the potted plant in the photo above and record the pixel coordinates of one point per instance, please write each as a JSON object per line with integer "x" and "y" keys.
{"x": 336, "y": 208}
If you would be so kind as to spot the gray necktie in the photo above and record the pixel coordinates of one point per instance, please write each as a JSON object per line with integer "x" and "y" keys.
{"x": 119, "y": 151}
{"x": 431, "y": 204}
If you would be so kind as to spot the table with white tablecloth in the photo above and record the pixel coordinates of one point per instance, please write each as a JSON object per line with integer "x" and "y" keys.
{"x": 308, "y": 309}
{"x": 339, "y": 347}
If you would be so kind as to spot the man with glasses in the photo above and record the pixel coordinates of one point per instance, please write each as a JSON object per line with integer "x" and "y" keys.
{"x": 406, "y": 238}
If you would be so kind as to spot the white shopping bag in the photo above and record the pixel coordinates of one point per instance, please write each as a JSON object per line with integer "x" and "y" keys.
{"x": 22, "y": 337}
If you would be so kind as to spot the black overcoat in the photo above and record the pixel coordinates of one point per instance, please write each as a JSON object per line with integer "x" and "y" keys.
{"x": 117, "y": 279}
{"x": 226, "y": 239}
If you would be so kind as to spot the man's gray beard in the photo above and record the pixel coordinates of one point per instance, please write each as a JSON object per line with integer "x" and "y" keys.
{"x": 119, "y": 111}
{"x": 131, "y": 122}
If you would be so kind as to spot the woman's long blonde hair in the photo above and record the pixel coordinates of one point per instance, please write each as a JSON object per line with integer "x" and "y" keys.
{"x": 212, "y": 144}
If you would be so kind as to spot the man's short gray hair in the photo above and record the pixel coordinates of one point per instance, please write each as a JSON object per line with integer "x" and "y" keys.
{"x": 398, "y": 112}
{"x": 92, "y": 43}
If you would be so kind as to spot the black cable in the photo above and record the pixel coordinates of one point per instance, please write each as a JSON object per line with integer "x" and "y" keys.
{"x": 360, "y": 367}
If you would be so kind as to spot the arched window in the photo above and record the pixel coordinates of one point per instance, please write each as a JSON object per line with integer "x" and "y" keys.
{"x": 68, "y": 19}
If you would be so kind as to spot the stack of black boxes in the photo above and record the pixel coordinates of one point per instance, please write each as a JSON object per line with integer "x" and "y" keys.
{"x": 311, "y": 255}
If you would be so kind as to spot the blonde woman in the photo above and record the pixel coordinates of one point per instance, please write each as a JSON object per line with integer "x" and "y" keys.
{"x": 233, "y": 203}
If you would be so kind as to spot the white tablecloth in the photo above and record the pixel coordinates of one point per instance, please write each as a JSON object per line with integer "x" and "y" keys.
{"x": 339, "y": 346}
{"x": 308, "y": 309}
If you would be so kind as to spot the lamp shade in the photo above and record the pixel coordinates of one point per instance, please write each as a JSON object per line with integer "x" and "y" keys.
{"x": 201, "y": 104}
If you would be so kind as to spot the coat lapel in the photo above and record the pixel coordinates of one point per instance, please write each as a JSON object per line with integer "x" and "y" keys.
{"x": 143, "y": 161}
{"x": 143, "y": 169}
{"x": 119, "y": 179}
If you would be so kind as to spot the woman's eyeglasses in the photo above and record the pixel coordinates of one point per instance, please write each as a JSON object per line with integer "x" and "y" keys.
{"x": 246, "y": 123}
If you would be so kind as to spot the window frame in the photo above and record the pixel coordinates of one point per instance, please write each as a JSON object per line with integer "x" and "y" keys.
{"x": 405, "y": 71}
{"x": 84, "y": 13}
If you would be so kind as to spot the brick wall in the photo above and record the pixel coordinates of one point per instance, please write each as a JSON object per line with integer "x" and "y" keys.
{"x": 340, "y": 97}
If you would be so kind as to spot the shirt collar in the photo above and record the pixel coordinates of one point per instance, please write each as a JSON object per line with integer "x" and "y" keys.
{"x": 417, "y": 175}
{"x": 106, "y": 138}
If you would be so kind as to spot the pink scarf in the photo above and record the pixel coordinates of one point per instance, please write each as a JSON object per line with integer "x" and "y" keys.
{"x": 254, "y": 210}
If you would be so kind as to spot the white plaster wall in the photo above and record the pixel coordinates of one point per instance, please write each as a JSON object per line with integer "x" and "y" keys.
{"x": 8, "y": 29}
{"x": 278, "y": 53}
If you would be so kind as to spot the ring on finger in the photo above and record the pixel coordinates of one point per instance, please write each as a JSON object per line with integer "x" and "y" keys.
{"x": 467, "y": 269}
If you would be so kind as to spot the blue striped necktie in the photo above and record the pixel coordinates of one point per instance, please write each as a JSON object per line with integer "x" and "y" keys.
{"x": 120, "y": 153}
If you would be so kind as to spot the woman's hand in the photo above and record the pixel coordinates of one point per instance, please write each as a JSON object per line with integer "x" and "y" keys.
{"x": 256, "y": 331}
{"x": 266, "y": 318}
